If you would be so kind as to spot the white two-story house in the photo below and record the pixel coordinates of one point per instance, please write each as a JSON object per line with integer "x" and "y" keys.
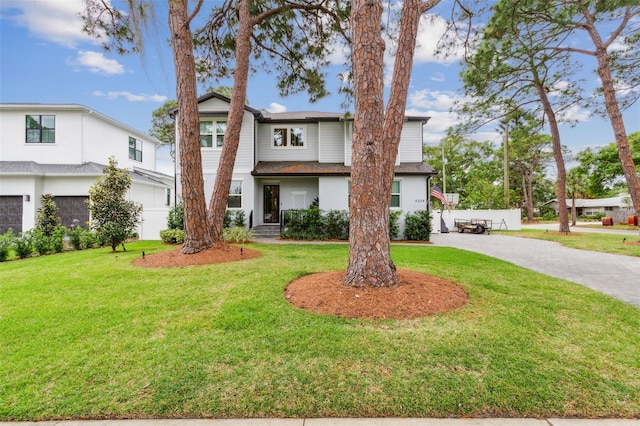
{"x": 287, "y": 160}
{"x": 62, "y": 150}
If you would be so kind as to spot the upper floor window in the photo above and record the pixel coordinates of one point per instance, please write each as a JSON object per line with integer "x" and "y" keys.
{"x": 41, "y": 128}
{"x": 135, "y": 149}
{"x": 210, "y": 131}
{"x": 235, "y": 195}
{"x": 288, "y": 137}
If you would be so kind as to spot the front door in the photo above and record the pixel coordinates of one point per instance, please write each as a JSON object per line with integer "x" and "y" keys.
{"x": 271, "y": 209}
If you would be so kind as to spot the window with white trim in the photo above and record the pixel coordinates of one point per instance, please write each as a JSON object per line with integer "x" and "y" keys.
{"x": 235, "y": 195}
{"x": 135, "y": 149}
{"x": 41, "y": 129}
{"x": 288, "y": 137}
{"x": 395, "y": 194}
{"x": 210, "y": 131}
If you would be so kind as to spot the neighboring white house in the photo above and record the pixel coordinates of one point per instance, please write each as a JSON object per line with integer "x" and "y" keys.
{"x": 592, "y": 207}
{"x": 62, "y": 150}
{"x": 287, "y": 160}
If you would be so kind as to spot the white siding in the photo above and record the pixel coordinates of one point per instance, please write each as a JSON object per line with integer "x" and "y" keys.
{"x": 67, "y": 148}
{"x": 267, "y": 153}
{"x": 332, "y": 137}
{"x": 410, "y": 149}
{"x": 333, "y": 193}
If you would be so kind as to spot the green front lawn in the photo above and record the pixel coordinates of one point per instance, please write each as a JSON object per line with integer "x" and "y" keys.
{"x": 593, "y": 241}
{"x": 87, "y": 335}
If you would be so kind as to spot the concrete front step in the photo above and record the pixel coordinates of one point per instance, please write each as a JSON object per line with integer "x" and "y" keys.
{"x": 263, "y": 231}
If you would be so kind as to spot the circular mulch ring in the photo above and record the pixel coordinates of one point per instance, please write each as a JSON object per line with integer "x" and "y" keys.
{"x": 219, "y": 253}
{"x": 416, "y": 295}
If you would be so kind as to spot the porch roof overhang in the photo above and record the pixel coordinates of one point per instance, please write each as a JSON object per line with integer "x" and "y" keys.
{"x": 315, "y": 168}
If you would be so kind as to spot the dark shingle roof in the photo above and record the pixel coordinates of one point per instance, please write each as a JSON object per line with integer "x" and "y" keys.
{"x": 315, "y": 168}
{"x": 31, "y": 168}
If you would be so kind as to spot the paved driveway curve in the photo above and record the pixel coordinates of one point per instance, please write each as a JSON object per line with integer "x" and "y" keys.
{"x": 615, "y": 275}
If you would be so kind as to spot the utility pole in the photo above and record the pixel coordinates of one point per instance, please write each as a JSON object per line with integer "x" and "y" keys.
{"x": 506, "y": 167}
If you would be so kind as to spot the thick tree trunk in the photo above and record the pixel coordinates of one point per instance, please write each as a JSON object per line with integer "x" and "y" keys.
{"x": 561, "y": 191}
{"x": 376, "y": 138}
{"x": 370, "y": 261}
{"x": 196, "y": 231}
{"x": 220, "y": 196}
{"x": 615, "y": 116}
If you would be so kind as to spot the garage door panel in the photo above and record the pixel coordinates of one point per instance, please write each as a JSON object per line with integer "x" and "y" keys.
{"x": 10, "y": 213}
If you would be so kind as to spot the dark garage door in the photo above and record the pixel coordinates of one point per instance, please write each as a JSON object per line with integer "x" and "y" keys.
{"x": 11, "y": 213}
{"x": 71, "y": 208}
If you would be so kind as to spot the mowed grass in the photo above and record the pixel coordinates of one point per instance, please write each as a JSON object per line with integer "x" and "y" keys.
{"x": 592, "y": 241}
{"x": 88, "y": 335}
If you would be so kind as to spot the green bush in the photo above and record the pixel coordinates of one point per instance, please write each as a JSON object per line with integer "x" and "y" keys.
{"x": 304, "y": 225}
{"x": 172, "y": 236}
{"x": 57, "y": 239}
{"x": 47, "y": 217}
{"x": 24, "y": 245}
{"x": 238, "y": 219}
{"x": 394, "y": 224}
{"x": 7, "y": 242}
{"x": 176, "y": 217}
{"x": 337, "y": 224}
{"x": 226, "y": 220}
{"x": 417, "y": 226}
{"x": 41, "y": 243}
{"x": 237, "y": 235}
{"x": 75, "y": 237}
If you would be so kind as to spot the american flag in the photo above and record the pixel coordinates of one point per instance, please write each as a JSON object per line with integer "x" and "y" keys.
{"x": 437, "y": 192}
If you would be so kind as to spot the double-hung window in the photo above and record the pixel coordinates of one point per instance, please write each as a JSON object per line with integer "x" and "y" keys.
{"x": 41, "y": 129}
{"x": 288, "y": 137}
{"x": 395, "y": 194}
{"x": 235, "y": 195}
{"x": 210, "y": 131}
{"x": 135, "y": 149}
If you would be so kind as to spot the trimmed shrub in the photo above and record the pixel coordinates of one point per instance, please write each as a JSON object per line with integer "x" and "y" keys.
{"x": 394, "y": 224}
{"x": 24, "y": 245}
{"x": 57, "y": 239}
{"x": 172, "y": 236}
{"x": 226, "y": 220}
{"x": 337, "y": 224}
{"x": 176, "y": 217}
{"x": 237, "y": 235}
{"x": 7, "y": 242}
{"x": 417, "y": 226}
{"x": 238, "y": 219}
{"x": 41, "y": 242}
{"x": 47, "y": 216}
{"x": 75, "y": 237}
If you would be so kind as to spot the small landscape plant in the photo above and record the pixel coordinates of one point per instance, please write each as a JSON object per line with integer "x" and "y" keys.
{"x": 47, "y": 217}
{"x": 7, "y": 242}
{"x": 172, "y": 236}
{"x": 394, "y": 225}
{"x": 24, "y": 245}
{"x": 237, "y": 235}
{"x": 176, "y": 217}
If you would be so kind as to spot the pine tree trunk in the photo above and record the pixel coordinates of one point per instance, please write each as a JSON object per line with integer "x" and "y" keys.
{"x": 220, "y": 195}
{"x": 561, "y": 190}
{"x": 376, "y": 138}
{"x": 370, "y": 261}
{"x": 196, "y": 231}
{"x": 615, "y": 116}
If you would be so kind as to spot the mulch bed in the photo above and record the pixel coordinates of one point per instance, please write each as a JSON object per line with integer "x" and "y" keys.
{"x": 416, "y": 295}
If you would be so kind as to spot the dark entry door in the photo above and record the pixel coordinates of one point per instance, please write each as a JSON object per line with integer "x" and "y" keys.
{"x": 271, "y": 209}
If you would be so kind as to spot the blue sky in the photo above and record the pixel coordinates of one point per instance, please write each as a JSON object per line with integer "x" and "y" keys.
{"x": 46, "y": 58}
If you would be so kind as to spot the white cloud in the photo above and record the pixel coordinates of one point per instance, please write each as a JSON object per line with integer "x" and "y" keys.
{"x": 574, "y": 114}
{"x": 97, "y": 63}
{"x": 275, "y": 107}
{"x": 439, "y": 76}
{"x": 56, "y": 21}
{"x": 432, "y": 29}
{"x": 433, "y": 99}
{"x": 131, "y": 97}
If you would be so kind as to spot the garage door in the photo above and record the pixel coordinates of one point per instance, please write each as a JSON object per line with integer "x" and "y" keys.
{"x": 72, "y": 208}
{"x": 11, "y": 213}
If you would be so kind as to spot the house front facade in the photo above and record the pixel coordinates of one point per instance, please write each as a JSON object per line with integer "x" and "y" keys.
{"x": 286, "y": 161}
{"x": 62, "y": 150}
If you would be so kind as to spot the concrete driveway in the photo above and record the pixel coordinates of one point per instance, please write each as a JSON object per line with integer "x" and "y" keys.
{"x": 615, "y": 275}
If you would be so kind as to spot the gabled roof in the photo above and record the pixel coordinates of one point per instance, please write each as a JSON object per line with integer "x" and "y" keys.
{"x": 91, "y": 169}
{"x": 315, "y": 168}
{"x": 281, "y": 117}
{"x": 621, "y": 200}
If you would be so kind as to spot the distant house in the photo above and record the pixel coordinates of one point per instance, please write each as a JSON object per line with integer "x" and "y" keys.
{"x": 592, "y": 207}
{"x": 287, "y": 160}
{"x": 62, "y": 150}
